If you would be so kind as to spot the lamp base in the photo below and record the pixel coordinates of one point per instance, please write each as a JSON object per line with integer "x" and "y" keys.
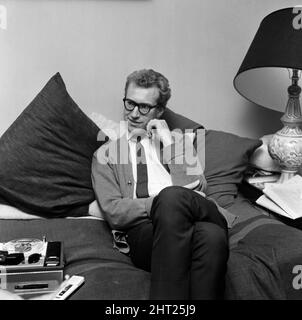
{"x": 286, "y": 175}
{"x": 286, "y": 148}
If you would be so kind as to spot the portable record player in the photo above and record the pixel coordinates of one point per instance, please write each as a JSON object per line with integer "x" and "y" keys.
{"x": 30, "y": 267}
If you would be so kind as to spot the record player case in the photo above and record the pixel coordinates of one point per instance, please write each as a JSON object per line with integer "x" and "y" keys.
{"x": 29, "y": 280}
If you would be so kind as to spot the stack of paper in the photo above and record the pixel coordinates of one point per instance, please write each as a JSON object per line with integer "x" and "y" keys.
{"x": 284, "y": 198}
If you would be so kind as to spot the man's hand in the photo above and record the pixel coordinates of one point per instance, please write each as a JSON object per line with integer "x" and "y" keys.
{"x": 160, "y": 129}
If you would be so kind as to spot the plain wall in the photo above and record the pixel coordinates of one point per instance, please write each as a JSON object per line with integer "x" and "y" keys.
{"x": 94, "y": 44}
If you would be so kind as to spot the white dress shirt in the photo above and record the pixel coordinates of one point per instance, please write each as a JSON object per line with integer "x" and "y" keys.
{"x": 158, "y": 177}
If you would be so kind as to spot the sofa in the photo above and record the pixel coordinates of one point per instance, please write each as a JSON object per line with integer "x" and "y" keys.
{"x": 45, "y": 190}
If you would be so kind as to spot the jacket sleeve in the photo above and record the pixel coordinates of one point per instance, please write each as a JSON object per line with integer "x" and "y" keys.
{"x": 121, "y": 213}
{"x": 184, "y": 164}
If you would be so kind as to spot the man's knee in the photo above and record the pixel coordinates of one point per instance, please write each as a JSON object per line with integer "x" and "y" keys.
{"x": 168, "y": 199}
{"x": 170, "y": 194}
{"x": 213, "y": 237}
{"x": 176, "y": 196}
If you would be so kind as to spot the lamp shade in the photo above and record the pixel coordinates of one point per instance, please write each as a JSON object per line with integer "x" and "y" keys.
{"x": 263, "y": 76}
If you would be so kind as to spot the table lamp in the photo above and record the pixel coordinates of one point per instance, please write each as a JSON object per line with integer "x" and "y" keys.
{"x": 269, "y": 76}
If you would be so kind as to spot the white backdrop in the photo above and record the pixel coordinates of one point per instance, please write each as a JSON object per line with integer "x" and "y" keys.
{"x": 94, "y": 44}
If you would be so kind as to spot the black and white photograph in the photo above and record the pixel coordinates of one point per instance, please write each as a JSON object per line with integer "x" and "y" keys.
{"x": 150, "y": 153}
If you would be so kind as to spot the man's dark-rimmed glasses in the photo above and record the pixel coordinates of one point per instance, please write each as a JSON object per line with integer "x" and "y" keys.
{"x": 143, "y": 108}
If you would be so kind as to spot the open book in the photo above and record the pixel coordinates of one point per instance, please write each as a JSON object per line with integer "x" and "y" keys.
{"x": 284, "y": 198}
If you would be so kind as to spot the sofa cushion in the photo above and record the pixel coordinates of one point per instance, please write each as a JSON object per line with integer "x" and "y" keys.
{"x": 261, "y": 265}
{"x": 45, "y": 162}
{"x": 178, "y": 121}
{"x": 226, "y": 159}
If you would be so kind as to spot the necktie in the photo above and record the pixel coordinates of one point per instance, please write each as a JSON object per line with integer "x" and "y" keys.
{"x": 141, "y": 169}
{"x": 161, "y": 158}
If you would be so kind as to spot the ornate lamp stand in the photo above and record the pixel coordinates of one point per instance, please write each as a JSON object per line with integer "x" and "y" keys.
{"x": 286, "y": 144}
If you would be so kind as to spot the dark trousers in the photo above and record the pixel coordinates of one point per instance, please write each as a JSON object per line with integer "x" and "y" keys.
{"x": 184, "y": 245}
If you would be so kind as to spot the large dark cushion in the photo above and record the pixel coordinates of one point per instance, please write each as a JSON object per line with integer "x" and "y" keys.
{"x": 45, "y": 156}
{"x": 226, "y": 157}
{"x": 178, "y": 121}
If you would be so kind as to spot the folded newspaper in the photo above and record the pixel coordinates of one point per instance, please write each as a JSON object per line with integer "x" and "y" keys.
{"x": 284, "y": 198}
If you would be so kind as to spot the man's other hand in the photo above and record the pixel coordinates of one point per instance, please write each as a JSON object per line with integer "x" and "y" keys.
{"x": 160, "y": 129}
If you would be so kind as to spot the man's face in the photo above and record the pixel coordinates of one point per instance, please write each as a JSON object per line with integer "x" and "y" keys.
{"x": 148, "y": 96}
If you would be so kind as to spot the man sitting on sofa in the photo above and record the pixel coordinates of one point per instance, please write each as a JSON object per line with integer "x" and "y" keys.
{"x": 144, "y": 189}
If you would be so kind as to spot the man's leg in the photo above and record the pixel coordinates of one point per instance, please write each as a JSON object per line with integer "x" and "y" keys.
{"x": 140, "y": 240}
{"x": 209, "y": 261}
{"x": 174, "y": 214}
{"x": 208, "y": 257}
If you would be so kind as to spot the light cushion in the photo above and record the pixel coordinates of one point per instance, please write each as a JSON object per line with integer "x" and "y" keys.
{"x": 111, "y": 128}
{"x": 8, "y": 212}
{"x": 45, "y": 156}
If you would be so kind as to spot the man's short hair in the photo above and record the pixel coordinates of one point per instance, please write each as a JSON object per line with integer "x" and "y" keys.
{"x": 148, "y": 78}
